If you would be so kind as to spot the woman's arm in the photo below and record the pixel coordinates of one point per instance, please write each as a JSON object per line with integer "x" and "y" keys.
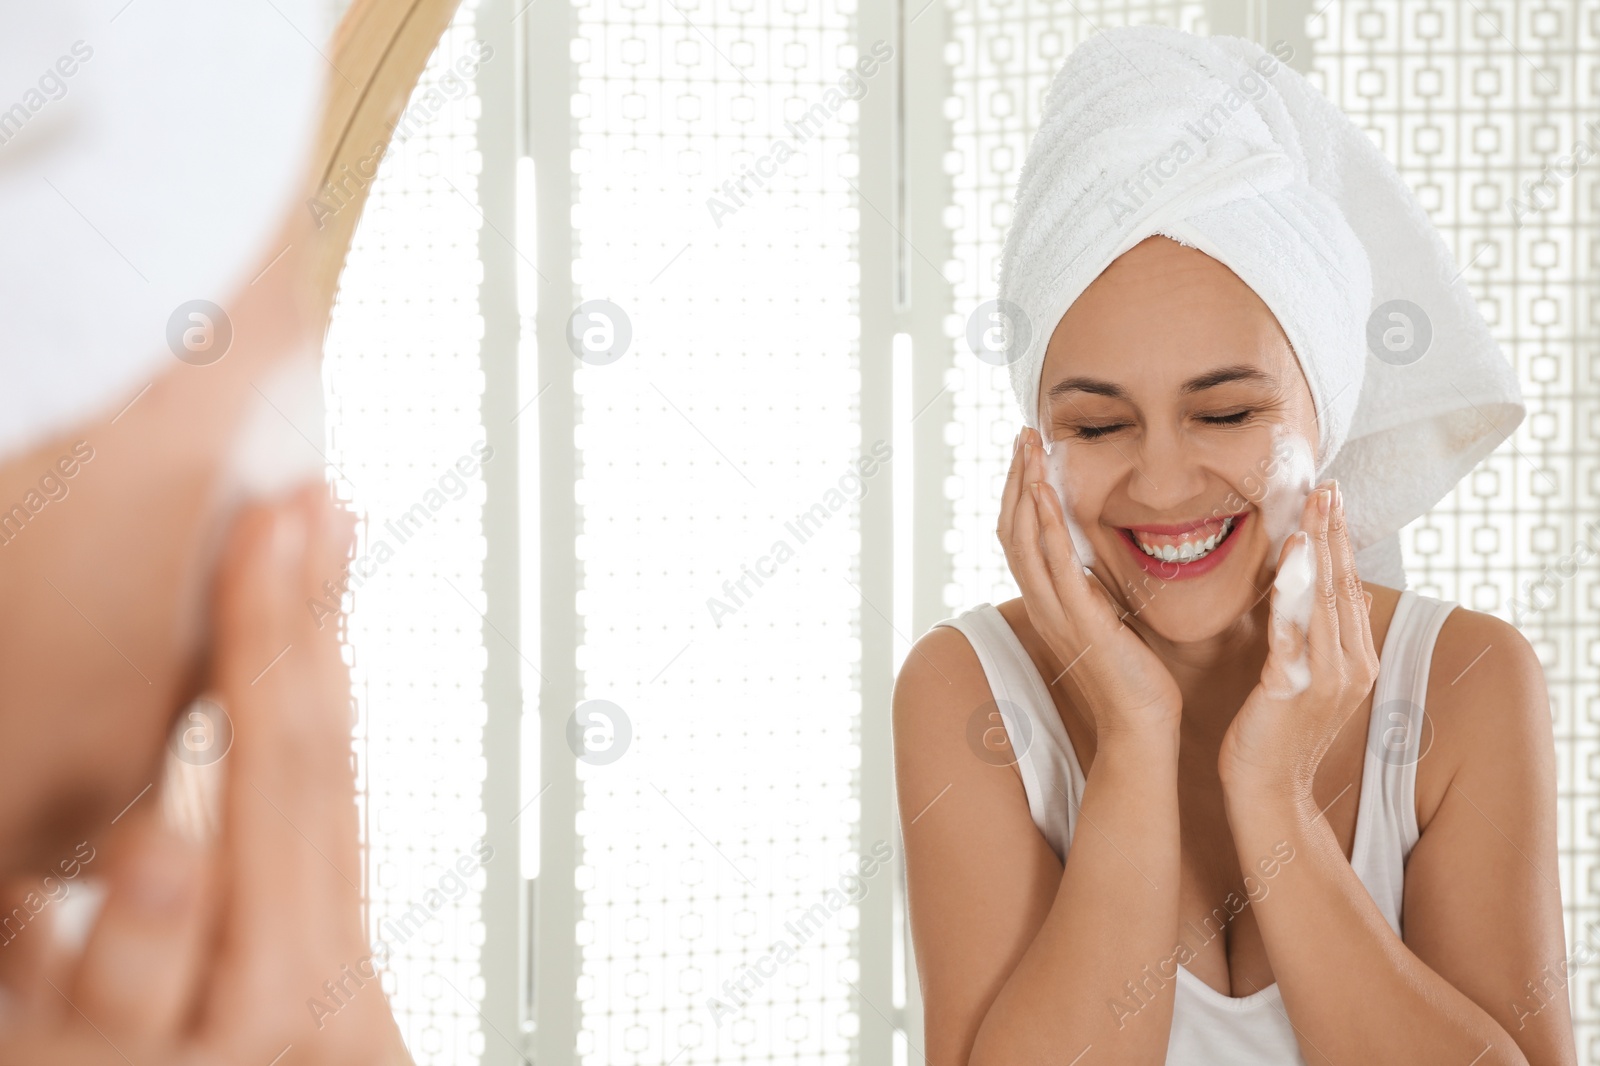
{"x": 1482, "y": 909}
{"x": 1021, "y": 961}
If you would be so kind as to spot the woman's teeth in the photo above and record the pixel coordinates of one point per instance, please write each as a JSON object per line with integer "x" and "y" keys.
{"x": 1186, "y": 551}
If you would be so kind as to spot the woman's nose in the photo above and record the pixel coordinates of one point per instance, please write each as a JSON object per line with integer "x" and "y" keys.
{"x": 1167, "y": 473}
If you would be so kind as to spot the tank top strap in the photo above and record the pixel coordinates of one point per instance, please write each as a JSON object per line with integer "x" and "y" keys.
{"x": 1399, "y": 733}
{"x": 1021, "y": 704}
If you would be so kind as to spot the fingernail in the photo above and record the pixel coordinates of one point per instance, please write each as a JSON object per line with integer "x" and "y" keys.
{"x": 191, "y": 783}
{"x": 190, "y": 797}
{"x": 1338, "y": 496}
{"x": 1323, "y": 501}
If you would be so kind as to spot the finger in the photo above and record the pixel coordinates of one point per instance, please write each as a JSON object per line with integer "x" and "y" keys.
{"x": 1355, "y": 629}
{"x": 1325, "y": 618}
{"x": 1012, "y": 491}
{"x": 1027, "y": 560}
{"x": 143, "y": 962}
{"x": 1285, "y": 671}
{"x": 291, "y": 823}
{"x": 1323, "y": 634}
{"x": 1068, "y": 578}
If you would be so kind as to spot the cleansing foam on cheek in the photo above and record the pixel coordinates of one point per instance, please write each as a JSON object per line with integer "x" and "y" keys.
{"x": 1291, "y": 607}
{"x": 1287, "y": 486}
{"x": 1055, "y": 464}
{"x": 279, "y": 442}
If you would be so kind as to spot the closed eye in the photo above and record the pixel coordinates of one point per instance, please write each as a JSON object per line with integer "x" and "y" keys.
{"x": 1095, "y": 432}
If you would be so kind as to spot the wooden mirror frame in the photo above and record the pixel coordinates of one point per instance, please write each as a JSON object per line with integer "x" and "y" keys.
{"x": 379, "y": 52}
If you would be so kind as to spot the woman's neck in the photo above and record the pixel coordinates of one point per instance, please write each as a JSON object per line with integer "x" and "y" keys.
{"x": 1215, "y": 675}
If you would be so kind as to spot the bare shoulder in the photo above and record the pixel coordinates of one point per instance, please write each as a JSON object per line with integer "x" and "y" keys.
{"x": 980, "y": 877}
{"x": 1487, "y": 704}
{"x": 940, "y": 665}
{"x": 940, "y": 688}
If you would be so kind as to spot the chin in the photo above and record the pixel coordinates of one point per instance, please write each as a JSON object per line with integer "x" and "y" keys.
{"x": 1193, "y": 619}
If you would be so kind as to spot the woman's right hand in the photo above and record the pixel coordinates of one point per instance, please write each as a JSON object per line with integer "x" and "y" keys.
{"x": 1123, "y": 684}
{"x": 232, "y": 927}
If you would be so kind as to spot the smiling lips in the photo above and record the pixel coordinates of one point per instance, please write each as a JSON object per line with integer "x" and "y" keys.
{"x": 1181, "y": 551}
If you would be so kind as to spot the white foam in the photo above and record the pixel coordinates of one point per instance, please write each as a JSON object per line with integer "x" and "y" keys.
{"x": 1292, "y": 591}
{"x": 1287, "y": 486}
{"x": 1055, "y": 464}
{"x": 76, "y": 913}
{"x": 278, "y": 445}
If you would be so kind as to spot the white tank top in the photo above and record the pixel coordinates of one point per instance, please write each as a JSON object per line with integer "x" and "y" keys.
{"x": 1207, "y": 1026}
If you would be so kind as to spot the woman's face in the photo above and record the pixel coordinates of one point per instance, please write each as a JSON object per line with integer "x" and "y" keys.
{"x": 1178, "y": 419}
{"x": 106, "y": 590}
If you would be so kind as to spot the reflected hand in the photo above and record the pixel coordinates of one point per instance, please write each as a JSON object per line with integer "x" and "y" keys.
{"x": 224, "y": 919}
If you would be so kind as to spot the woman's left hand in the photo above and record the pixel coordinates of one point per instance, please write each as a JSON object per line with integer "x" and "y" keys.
{"x": 1314, "y": 677}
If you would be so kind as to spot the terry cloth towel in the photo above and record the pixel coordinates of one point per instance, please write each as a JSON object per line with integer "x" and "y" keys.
{"x": 1218, "y": 144}
{"x": 148, "y": 154}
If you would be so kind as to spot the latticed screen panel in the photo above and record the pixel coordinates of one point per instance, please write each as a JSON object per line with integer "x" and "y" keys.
{"x": 404, "y": 384}
{"x": 714, "y": 215}
{"x": 1483, "y": 109}
{"x": 1003, "y": 57}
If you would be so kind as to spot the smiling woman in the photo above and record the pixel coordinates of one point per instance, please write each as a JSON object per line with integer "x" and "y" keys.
{"x": 1191, "y": 681}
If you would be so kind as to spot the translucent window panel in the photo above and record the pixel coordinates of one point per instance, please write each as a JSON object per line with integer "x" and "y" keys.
{"x": 718, "y": 543}
{"x": 1477, "y": 106}
{"x": 404, "y": 385}
{"x": 1003, "y": 56}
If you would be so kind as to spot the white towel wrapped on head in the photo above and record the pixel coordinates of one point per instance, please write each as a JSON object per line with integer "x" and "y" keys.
{"x": 1218, "y": 144}
{"x": 152, "y": 152}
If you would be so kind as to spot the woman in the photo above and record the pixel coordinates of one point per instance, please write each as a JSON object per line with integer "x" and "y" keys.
{"x": 172, "y": 890}
{"x": 1155, "y": 810}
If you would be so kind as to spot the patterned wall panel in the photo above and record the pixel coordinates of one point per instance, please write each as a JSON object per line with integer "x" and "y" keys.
{"x": 406, "y": 442}
{"x": 1491, "y": 112}
{"x": 715, "y": 224}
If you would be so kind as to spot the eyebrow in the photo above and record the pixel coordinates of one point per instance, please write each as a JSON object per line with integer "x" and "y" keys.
{"x": 1210, "y": 379}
